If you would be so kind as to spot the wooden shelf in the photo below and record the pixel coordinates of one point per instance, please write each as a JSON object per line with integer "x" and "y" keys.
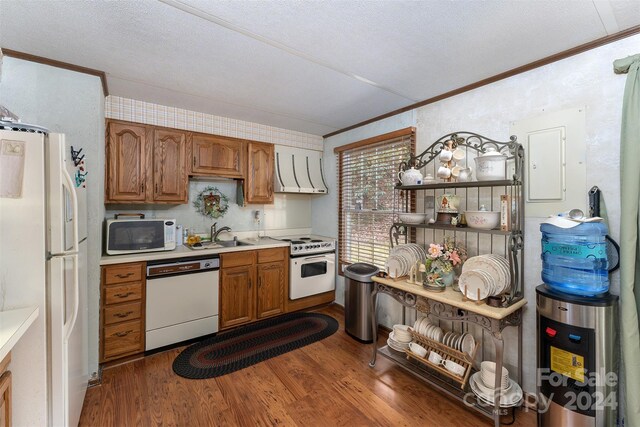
{"x": 455, "y": 299}
{"x": 468, "y": 184}
{"x": 452, "y": 228}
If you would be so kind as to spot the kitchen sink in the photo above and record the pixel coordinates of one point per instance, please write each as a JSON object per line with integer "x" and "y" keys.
{"x": 202, "y": 245}
{"x": 231, "y": 243}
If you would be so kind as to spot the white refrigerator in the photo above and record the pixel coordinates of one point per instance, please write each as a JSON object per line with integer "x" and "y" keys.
{"x": 43, "y": 258}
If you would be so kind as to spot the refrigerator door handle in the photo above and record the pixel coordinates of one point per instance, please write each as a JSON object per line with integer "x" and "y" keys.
{"x": 74, "y": 212}
{"x": 68, "y": 327}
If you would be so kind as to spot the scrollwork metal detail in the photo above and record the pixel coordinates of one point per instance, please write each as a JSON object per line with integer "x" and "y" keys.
{"x": 448, "y": 312}
{"x": 512, "y": 149}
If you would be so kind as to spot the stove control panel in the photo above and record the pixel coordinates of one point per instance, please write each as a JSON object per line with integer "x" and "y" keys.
{"x": 312, "y": 247}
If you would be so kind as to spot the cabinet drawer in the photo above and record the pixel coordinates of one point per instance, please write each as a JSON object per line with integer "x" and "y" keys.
{"x": 272, "y": 255}
{"x": 122, "y": 312}
{"x": 114, "y": 274}
{"x": 237, "y": 259}
{"x": 122, "y": 338}
{"x": 122, "y": 293}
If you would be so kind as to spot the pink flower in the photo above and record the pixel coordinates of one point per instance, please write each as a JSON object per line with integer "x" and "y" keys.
{"x": 434, "y": 250}
{"x": 454, "y": 257}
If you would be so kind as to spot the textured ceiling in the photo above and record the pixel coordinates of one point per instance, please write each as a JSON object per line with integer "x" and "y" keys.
{"x": 309, "y": 66}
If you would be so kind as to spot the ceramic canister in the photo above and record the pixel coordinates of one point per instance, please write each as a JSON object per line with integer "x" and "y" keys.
{"x": 448, "y": 203}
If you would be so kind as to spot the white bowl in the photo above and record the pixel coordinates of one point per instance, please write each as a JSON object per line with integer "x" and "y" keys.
{"x": 412, "y": 218}
{"x": 483, "y": 220}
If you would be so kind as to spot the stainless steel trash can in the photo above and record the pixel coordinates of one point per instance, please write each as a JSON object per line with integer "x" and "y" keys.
{"x": 358, "y": 287}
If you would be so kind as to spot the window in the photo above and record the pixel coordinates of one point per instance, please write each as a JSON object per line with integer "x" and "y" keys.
{"x": 367, "y": 174}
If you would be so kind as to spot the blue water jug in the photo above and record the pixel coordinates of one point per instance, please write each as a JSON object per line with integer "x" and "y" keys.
{"x": 574, "y": 260}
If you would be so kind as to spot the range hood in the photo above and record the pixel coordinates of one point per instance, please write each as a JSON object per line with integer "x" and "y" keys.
{"x": 299, "y": 171}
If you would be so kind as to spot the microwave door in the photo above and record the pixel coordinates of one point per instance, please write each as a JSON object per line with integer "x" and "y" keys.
{"x": 135, "y": 236}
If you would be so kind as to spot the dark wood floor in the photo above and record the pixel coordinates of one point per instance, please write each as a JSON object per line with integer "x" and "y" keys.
{"x": 328, "y": 383}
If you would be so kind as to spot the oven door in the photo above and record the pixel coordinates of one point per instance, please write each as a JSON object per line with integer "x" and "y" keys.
{"x": 311, "y": 275}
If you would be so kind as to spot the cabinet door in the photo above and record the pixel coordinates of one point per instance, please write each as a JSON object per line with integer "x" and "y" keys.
{"x": 237, "y": 296}
{"x": 170, "y": 178}
{"x": 5, "y": 400}
{"x": 126, "y": 165}
{"x": 271, "y": 283}
{"x": 217, "y": 156}
{"x": 259, "y": 182}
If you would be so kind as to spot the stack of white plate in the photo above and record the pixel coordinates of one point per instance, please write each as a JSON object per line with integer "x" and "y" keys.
{"x": 402, "y": 258}
{"x": 424, "y": 327}
{"x": 482, "y": 384}
{"x": 461, "y": 342}
{"x": 396, "y": 345}
{"x": 485, "y": 275}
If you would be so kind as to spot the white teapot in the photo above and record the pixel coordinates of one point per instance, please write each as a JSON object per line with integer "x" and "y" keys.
{"x": 410, "y": 177}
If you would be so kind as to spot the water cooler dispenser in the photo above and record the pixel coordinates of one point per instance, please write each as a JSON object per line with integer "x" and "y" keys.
{"x": 577, "y": 359}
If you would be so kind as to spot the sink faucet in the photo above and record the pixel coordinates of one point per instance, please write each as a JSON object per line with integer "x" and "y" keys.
{"x": 213, "y": 230}
{"x": 214, "y": 236}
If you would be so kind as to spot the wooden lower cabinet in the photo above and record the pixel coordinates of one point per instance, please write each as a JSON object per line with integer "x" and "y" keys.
{"x": 271, "y": 283}
{"x": 122, "y": 317}
{"x": 236, "y": 296}
{"x": 252, "y": 285}
{"x": 5, "y": 392}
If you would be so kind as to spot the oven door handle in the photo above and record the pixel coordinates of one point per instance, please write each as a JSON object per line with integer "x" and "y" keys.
{"x": 323, "y": 257}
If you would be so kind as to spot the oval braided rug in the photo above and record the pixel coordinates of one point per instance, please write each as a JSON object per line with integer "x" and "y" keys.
{"x": 249, "y": 345}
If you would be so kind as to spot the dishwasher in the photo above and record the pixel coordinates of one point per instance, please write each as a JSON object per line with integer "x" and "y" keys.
{"x": 182, "y": 300}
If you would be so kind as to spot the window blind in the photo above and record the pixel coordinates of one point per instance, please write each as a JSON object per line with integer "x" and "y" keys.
{"x": 367, "y": 175}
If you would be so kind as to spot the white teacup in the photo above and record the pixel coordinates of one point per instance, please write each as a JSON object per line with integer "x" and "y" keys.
{"x": 458, "y": 154}
{"x": 454, "y": 367}
{"x": 455, "y": 171}
{"x": 446, "y": 155}
{"x": 444, "y": 172}
{"x": 418, "y": 349}
{"x": 435, "y": 358}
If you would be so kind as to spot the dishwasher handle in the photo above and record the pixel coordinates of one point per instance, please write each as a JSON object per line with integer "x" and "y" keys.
{"x": 181, "y": 266}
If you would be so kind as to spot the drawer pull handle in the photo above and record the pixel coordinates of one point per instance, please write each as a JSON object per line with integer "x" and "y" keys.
{"x": 122, "y": 315}
{"x": 124, "y": 276}
{"x": 124, "y": 295}
{"x": 123, "y": 334}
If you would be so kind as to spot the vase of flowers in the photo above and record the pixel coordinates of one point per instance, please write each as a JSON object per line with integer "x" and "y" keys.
{"x": 442, "y": 260}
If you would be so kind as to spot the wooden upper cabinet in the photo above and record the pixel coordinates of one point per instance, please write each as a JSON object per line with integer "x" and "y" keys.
{"x": 259, "y": 180}
{"x": 217, "y": 156}
{"x": 170, "y": 177}
{"x": 126, "y": 162}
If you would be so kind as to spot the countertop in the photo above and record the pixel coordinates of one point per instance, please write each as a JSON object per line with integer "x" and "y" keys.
{"x": 451, "y": 297}
{"x": 185, "y": 252}
{"x": 13, "y": 325}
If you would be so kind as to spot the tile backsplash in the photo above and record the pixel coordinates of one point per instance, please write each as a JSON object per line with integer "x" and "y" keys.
{"x": 161, "y": 115}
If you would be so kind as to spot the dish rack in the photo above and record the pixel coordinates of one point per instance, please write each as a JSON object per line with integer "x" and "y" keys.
{"x": 447, "y": 353}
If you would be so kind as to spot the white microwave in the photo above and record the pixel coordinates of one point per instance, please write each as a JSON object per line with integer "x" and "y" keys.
{"x": 128, "y": 236}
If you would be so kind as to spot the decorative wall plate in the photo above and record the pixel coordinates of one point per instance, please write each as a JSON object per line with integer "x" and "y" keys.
{"x": 211, "y": 203}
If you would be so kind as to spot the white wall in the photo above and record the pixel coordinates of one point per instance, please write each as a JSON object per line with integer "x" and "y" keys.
{"x": 71, "y": 103}
{"x": 585, "y": 80}
{"x": 287, "y": 210}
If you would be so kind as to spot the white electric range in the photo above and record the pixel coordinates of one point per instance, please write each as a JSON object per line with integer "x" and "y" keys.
{"x": 312, "y": 265}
